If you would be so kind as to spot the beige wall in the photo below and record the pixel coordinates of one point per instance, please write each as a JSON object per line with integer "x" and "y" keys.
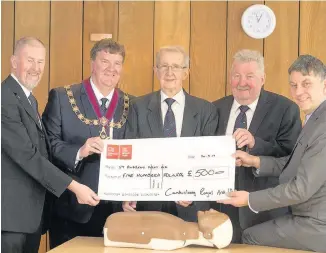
{"x": 209, "y": 31}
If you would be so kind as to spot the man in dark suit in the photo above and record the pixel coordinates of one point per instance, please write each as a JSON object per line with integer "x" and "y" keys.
{"x": 171, "y": 112}
{"x": 302, "y": 173}
{"x": 76, "y": 118}
{"x": 27, "y": 172}
{"x": 262, "y": 123}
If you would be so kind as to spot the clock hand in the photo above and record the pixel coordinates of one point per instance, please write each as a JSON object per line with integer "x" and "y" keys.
{"x": 260, "y": 17}
{"x": 256, "y": 18}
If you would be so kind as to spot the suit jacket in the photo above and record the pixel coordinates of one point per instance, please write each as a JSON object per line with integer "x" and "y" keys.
{"x": 67, "y": 134}
{"x": 145, "y": 121}
{"x": 26, "y": 172}
{"x": 302, "y": 185}
{"x": 275, "y": 126}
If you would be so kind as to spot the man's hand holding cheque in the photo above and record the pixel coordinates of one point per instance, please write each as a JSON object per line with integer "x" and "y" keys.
{"x": 91, "y": 146}
{"x": 243, "y": 138}
{"x": 240, "y": 198}
{"x": 246, "y": 160}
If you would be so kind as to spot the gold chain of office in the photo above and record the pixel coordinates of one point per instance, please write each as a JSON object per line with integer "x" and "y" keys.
{"x": 102, "y": 121}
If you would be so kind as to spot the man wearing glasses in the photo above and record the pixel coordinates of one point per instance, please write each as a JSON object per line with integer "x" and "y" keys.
{"x": 171, "y": 112}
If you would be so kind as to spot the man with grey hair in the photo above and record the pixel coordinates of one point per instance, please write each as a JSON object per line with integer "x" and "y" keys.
{"x": 302, "y": 174}
{"x": 27, "y": 174}
{"x": 262, "y": 123}
{"x": 77, "y": 118}
{"x": 171, "y": 112}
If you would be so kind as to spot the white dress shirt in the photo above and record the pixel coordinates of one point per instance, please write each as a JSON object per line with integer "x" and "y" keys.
{"x": 26, "y": 91}
{"x": 98, "y": 96}
{"x": 307, "y": 118}
{"x": 235, "y": 111}
{"x": 177, "y": 107}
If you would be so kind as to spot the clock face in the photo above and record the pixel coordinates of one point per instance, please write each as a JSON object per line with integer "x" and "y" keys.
{"x": 258, "y": 21}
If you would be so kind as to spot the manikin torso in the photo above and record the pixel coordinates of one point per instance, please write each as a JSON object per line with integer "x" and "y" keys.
{"x": 163, "y": 231}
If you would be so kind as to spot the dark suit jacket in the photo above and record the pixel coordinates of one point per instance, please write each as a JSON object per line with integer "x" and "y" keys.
{"x": 145, "y": 121}
{"x": 26, "y": 172}
{"x": 276, "y": 126}
{"x": 67, "y": 134}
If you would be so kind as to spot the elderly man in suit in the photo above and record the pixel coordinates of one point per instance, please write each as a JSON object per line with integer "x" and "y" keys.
{"x": 76, "y": 118}
{"x": 27, "y": 172}
{"x": 262, "y": 123}
{"x": 302, "y": 173}
{"x": 171, "y": 112}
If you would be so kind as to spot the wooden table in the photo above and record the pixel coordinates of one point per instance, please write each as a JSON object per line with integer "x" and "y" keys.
{"x": 95, "y": 245}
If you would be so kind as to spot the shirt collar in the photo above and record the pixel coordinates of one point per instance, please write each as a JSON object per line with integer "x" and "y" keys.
{"x": 26, "y": 91}
{"x": 251, "y": 106}
{"x": 98, "y": 94}
{"x": 179, "y": 97}
{"x": 307, "y": 116}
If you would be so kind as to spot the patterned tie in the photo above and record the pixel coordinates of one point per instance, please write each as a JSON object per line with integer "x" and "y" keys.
{"x": 34, "y": 105}
{"x": 169, "y": 128}
{"x": 241, "y": 120}
{"x": 103, "y": 106}
{"x": 103, "y": 112}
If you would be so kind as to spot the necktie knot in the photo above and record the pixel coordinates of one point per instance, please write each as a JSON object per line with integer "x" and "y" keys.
{"x": 169, "y": 102}
{"x": 33, "y": 101}
{"x": 32, "y": 98}
{"x": 241, "y": 120}
{"x": 103, "y": 105}
{"x": 34, "y": 105}
{"x": 103, "y": 102}
{"x": 243, "y": 108}
{"x": 169, "y": 127}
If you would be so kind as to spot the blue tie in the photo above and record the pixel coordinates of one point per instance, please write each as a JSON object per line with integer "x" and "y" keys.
{"x": 169, "y": 130}
{"x": 169, "y": 127}
{"x": 241, "y": 120}
{"x": 103, "y": 106}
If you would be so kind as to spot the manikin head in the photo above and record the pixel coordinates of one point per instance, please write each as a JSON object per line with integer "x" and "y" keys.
{"x": 216, "y": 227}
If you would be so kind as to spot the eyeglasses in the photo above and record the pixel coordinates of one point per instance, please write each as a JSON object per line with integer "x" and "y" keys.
{"x": 173, "y": 67}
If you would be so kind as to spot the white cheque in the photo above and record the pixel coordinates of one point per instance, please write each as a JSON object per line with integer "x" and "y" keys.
{"x": 187, "y": 168}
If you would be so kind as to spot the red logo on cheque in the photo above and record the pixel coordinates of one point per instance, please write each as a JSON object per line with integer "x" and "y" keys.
{"x": 119, "y": 152}
{"x": 112, "y": 152}
{"x": 125, "y": 152}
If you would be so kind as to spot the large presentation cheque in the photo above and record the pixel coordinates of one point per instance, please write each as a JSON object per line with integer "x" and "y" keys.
{"x": 187, "y": 168}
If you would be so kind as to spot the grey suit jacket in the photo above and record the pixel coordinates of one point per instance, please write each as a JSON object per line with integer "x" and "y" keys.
{"x": 67, "y": 135}
{"x": 275, "y": 125}
{"x": 303, "y": 185}
{"x": 145, "y": 121}
{"x": 26, "y": 172}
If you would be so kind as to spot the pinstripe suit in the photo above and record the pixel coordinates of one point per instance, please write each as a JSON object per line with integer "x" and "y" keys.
{"x": 145, "y": 121}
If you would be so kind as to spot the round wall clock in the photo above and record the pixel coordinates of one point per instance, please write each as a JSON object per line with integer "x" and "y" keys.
{"x": 258, "y": 21}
